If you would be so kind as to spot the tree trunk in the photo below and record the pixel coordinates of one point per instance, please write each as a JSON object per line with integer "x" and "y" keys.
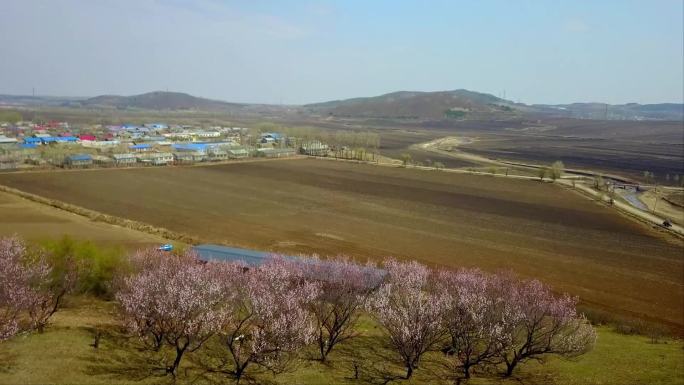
{"x": 409, "y": 371}
{"x": 176, "y": 362}
{"x": 510, "y": 366}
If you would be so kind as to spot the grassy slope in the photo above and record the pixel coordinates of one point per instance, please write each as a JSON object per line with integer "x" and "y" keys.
{"x": 63, "y": 355}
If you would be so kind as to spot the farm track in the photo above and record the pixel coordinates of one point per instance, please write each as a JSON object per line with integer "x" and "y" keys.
{"x": 633, "y": 212}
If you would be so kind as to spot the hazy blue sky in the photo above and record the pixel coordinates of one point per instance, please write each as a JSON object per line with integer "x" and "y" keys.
{"x": 307, "y": 51}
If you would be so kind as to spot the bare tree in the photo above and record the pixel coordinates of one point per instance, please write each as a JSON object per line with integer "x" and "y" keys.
{"x": 542, "y": 172}
{"x": 406, "y": 159}
{"x": 599, "y": 182}
{"x": 556, "y": 171}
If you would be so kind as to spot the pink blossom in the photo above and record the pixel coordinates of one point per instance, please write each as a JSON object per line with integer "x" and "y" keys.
{"x": 174, "y": 300}
{"x": 24, "y": 289}
{"x": 345, "y": 287}
{"x": 410, "y": 310}
{"x": 270, "y": 320}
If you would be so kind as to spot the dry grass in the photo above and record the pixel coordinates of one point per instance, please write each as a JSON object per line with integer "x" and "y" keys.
{"x": 64, "y": 354}
{"x": 39, "y": 222}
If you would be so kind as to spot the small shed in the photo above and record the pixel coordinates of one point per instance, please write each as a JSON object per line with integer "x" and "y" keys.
{"x": 78, "y": 160}
{"x": 101, "y": 159}
{"x": 124, "y": 159}
{"x": 230, "y": 254}
{"x": 183, "y": 157}
{"x": 156, "y": 158}
{"x": 217, "y": 154}
{"x": 237, "y": 153}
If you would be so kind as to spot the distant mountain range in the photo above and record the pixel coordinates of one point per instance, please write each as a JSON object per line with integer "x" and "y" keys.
{"x": 464, "y": 104}
{"x": 457, "y": 104}
{"x": 409, "y": 104}
{"x": 159, "y": 100}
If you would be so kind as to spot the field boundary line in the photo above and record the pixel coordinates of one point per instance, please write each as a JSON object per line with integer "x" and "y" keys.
{"x": 652, "y": 221}
{"x": 97, "y": 216}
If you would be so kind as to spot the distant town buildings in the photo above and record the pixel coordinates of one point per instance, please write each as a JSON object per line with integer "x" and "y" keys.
{"x": 27, "y": 144}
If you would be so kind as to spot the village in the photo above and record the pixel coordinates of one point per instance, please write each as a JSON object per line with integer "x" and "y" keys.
{"x": 28, "y": 145}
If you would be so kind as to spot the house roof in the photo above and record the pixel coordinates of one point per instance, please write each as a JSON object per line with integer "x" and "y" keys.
{"x": 230, "y": 254}
{"x": 4, "y": 139}
{"x": 218, "y": 253}
{"x": 190, "y": 147}
{"x": 238, "y": 151}
{"x": 123, "y": 156}
{"x": 274, "y": 135}
{"x": 140, "y": 146}
{"x": 79, "y": 157}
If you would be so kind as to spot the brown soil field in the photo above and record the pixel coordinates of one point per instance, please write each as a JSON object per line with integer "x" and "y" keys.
{"x": 626, "y": 158}
{"x": 38, "y": 222}
{"x": 396, "y": 143}
{"x": 327, "y": 207}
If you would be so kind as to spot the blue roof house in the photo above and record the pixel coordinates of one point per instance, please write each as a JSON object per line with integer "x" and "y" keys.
{"x": 140, "y": 147}
{"x": 31, "y": 140}
{"x": 78, "y": 160}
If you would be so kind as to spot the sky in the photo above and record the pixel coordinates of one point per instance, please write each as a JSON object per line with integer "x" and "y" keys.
{"x": 294, "y": 52}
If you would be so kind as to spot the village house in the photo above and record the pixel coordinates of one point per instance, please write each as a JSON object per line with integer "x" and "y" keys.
{"x": 140, "y": 147}
{"x": 198, "y": 151}
{"x": 155, "y": 158}
{"x": 217, "y": 154}
{"x": 271, "y": 152}
{"x": 237, "y": 153}
{"x": 78, "y": 160}
{"x": 124, "y": 159}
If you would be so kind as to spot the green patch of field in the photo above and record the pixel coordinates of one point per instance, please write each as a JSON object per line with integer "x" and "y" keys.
{"x": 63, "y": 354}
